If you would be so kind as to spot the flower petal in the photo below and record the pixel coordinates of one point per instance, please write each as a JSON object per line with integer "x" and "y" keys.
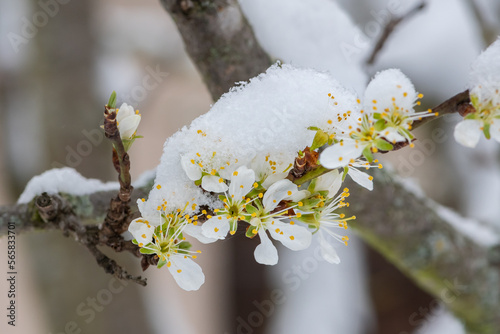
{"x": 361, "y": 178}
{"x": 273, "y": 177}
{"x": 340, "y": 154}
{"x": 140, "y": 231}
{"x": 216, "y": 227}
{"x": 192, "y": 169}
{"x": 186, "y": 272}
{"x": 495, "y": 129}
{"x": 265, "y": 252}
{"x": 128, "y": 126}
{"x": 278, "y": 192}
{"x": 392, "y": 135}
{"x": 196, "y": 232}
{"x": 327, "y": 251}
{"x": 213, "y": 183}
{"x": 123, "y": 112}
{"x": 468, "y": 132}
{"x": 330, "y": 181}
{"x": 242, "y": 182}
{"x": 294, "y": 237}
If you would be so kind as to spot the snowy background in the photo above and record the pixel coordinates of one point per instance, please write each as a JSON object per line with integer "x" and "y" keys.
{"x": 52, "y": 89}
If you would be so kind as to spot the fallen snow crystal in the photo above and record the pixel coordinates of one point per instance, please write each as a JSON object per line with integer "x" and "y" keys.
{"x": 267, "y": 116}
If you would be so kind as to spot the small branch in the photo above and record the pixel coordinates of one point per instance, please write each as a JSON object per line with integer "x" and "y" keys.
{"x": 388, "y": 30}
{"x": 118, "y": 217}
{"x": 459, "y": 103}
{"x": 56, "y": 212}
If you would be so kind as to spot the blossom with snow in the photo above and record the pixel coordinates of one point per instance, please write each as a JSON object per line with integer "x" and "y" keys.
{"x": 324, "y": 217}
{"x": 209, "y": 174}
{"x": 268, "y": 216}
{"x": 226, "y": 220}
{"x": 163, "y": 235}
{"x": 386, "y": 118}
{"x": 484, "y": 88}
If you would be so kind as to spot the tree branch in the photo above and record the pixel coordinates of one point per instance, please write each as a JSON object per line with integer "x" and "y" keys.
{"x": 389, "y": 29}
{"x": 219, "y": 40}
{"x": 410, "y": 233}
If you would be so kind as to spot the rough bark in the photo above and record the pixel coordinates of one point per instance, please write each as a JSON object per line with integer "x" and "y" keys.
{"x": 219, "y": 40}
{"x": 406, "y": 229}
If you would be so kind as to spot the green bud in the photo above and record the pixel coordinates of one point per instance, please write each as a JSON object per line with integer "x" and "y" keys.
{"x": 383, "y": 145}
{"x": 112, "y": 101}
{"x": 320, "y": 139}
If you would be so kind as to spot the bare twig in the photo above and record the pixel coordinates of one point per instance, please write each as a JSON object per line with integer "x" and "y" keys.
{"x": 118, "y": 217}
{"x": 388, "y": 30}
{"x": 56, "y": 212}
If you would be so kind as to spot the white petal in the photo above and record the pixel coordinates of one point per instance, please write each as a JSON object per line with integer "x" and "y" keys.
{"x": 327, "y": 251}
{"x": 213, "y": 183}
{"x": 128, "y": 126}
{"x": 392, "y": 135}
{"x": 386, "y": 86}
{"x": 141, "y": 232}
{"x": 495, "y": 129}
{"x": 186, "y": 272}
{"x": 196, "y": 232}
{"x": 468, "y": 132}
{"x": 123, "y": 112}
{"x": 192, "y": 169}
{"x": 298, "y": 195}
{"x": 274, "y": 177}
{"x": 340, "y": 154}
{"x": 216, "y": 227}
{"x": 361, "y": 178}
{"x": 265, "y": 252}
{"x": 242, "y": 182}
{"x": 294, "y": 236}
{"x": 330, "y": 181}
{"x": 278, "y": 192}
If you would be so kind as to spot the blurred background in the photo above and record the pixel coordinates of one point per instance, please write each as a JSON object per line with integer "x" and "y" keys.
{"x": 60, "y": 60}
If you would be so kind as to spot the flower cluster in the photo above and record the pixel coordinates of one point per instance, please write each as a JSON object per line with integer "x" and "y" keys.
{"x": 258, "y": 197}
{"x": 485, "y": 98}
{"x": 383, "y": 119}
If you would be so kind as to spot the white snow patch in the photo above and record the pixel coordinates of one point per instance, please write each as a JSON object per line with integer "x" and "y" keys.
{"x": 63, "y": 180}
{"x": 269, "y": 115}
{"x": 480, "y": 233}
{"x": 442, "y": 321}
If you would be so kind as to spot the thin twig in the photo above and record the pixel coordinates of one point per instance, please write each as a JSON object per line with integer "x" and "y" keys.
{"x": 56, "y": 212}
{"x": 118, "y": 217}
{"x": 388, "y": 30}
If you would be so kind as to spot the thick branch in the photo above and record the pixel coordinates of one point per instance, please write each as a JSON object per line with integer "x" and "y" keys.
{"x": 219, "y": 40}
{"x": 407, "y": 230}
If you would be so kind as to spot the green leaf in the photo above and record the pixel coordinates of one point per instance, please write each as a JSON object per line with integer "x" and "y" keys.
{"x": 320, "y": 139}
{"x": 251, "y": 209}
{"x": 470, "y": 116}
{"x": 486, "y": 130}
{"x": 312, "y": 185}
{"x": 367, "y": 153}
{"x": 146, "y": 251}
{"x": 314, "y": 128}
{"x": 474, "y": 99}
{"x": 380, "y": 125}
{"x": 383, "y": 145}
{"x": 377, "y": 115}
{"x": 112, "y": 100}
